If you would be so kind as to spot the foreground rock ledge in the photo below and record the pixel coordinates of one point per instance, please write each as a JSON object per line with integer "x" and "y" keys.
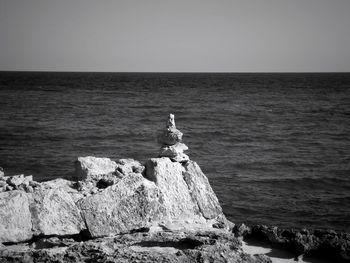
{"x": 118, "y": 211}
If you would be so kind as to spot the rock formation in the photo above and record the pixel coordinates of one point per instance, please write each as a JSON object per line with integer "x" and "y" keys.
{"x": 170, "y": 140}
{"x": 119, "y": 211}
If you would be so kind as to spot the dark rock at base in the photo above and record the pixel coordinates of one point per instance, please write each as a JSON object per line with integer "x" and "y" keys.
{"x": 310, "y": 243}
{"x": 241, "y": 230}
{"x": 136, "y": 247}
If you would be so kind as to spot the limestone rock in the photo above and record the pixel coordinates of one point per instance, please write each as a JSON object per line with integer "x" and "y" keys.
{"x": 170, "y": 136}
{"x": 90, "y": 167}
{"x": 15, "y": 218}
{"x": 55, "y": 213}
{"x": 127, "y": 166}
{"x": 172, "y": 151}
{"x": 171, "y": 121}
{"x": 15, "y": 180}
{"x": 170, "y": 139}
{"x": 130, "y": 204}
{"x": 68, "y": 186}
{"x": 167, "y": 175}
{"x": 201, "y": 191}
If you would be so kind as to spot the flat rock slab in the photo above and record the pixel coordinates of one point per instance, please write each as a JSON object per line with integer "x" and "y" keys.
{"x": 130, "y": 204}
{"x": 91, "y": 167}
{"x": 15, "y": 218}
{"x": 55, "y": 213}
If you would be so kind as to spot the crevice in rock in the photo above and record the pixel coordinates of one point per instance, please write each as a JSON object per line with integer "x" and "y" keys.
{"x": 49, "y": 241}
{"x": 139, "y": 230}
{"x": 182, "y": 244}
{"x": 104, "y": 183}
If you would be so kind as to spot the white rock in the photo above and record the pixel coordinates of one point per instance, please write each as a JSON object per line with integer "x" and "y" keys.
{"x": 15, "y": 217}
{"x": 172, "y": 150}
{"x": 182, "y": 157}
{"x": 15, "y": 180}
{"x": 167, "y": 175}
{"x": 127, "y": 166}
{"x": 130, "y": 204}
{"x": 201, "y": 191}
{"x": 92, "y": 167}
{"x": 55, "y": 213}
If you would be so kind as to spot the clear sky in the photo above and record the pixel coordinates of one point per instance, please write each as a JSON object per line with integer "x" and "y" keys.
{"x": 178, "y": 35}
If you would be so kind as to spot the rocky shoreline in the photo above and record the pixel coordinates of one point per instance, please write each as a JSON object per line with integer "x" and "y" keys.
{"x": 319, "y": 243}
{"x": 124, "y": 211}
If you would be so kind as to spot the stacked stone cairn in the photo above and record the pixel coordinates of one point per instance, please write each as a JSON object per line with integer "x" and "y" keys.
{"x": 171, "y": 142}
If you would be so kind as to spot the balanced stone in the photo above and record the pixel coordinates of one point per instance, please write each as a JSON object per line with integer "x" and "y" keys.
{"x": 171, "y": 138}
{"x": 171, "y": 135}
{"x": 173, "y": 150}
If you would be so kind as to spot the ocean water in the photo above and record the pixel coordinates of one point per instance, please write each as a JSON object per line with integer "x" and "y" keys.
{"x": 275, "y": 147}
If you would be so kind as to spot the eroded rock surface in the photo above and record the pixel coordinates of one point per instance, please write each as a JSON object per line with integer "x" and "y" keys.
{"x": 201, "y": 191}
{"x": 146, "y": 246}
{"x": 320, "y": 243}
{"x": 132, "y": 203}
{"x": 167, "y": 175}
{"x": 91, "y": 167}
{"x": 54, "y": 212}
{"x": 15, "y": 217}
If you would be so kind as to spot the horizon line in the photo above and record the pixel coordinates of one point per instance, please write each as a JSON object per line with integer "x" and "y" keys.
{"x": 177, "y": 72}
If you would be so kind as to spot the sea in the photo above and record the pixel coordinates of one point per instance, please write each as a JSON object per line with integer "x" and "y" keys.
{"x": 275, "y": 147}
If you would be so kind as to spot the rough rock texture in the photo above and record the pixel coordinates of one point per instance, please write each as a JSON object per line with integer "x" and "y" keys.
{"x": 130, "y": 204}
{"x": 148, "y": 246}
{"x": 127, "y": 166}
{"x": 90, "y": 167}
{"x": 170, "y": 136}
{"x": 201, "y": 191}
{"x": 321, "y": 243}
{"x": 170, "y": 140}
{"x": 55, "y": 213}
{"x": 167, "y": 175}
{"x": 15, "y": 218}
{"x": 17, "y": 182}
{"x": 174, "y": 152}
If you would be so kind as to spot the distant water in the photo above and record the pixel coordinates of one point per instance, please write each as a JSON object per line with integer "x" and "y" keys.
{"x": 276, "y": 147}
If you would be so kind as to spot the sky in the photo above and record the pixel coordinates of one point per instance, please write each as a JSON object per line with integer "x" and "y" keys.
{"x": 175, "y": 36}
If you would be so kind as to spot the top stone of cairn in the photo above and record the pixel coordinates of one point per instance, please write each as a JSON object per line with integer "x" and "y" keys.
{"x": 170, "y": 124}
